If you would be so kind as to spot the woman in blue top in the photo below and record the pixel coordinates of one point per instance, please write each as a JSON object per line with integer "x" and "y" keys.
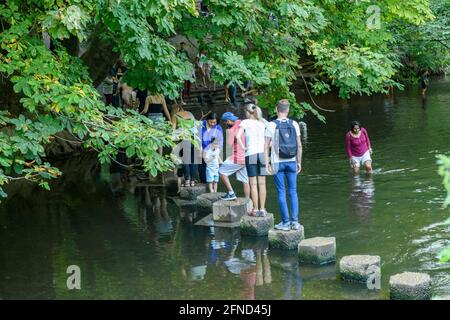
{"x": 211, "y": 130}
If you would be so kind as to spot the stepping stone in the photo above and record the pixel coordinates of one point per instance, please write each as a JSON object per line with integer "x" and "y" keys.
{"x": 410, "y": 286}
{"x": 360, "y": 268}
{"x": 256, "y": 226}
{"x": 288, "y": 240}
{"x": 231, "y": 211}
{"x": 205, "y": 201}
{"x": 318, "y": 250}
{"x": 191, "y": 193}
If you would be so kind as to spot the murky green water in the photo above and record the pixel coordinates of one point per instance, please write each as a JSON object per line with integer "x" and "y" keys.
{"x": 135, "y": 243}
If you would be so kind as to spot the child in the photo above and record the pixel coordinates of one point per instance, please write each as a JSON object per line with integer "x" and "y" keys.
{"x": 213, "y": 160}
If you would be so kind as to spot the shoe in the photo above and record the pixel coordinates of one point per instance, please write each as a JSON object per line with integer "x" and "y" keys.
{"x": 229, "y": 196}
{"x": 295, "y": 225}
{"x": 283, "y": 226}
{"x": 261, "y": 213}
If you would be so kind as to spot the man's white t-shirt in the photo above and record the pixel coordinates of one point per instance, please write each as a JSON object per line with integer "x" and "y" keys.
{"x": 255, "y": 132}
{"x": 270, "y": 133}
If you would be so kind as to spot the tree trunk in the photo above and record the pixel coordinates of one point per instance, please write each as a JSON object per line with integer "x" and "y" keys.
{"x": 99, "y": 56}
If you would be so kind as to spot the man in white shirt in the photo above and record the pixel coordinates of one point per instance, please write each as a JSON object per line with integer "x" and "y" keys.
{"x": 284, "y": 145}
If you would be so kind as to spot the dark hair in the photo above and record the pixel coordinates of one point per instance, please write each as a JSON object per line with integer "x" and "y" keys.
{"x": 212, "y": 116}
{"x": 355, "y": 123}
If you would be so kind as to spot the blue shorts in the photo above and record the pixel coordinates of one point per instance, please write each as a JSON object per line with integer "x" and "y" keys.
{"x": 212, "y": 174}
{"x": 256, "y": 165}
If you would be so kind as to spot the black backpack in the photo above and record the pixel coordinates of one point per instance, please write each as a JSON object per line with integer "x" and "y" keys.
{"x": 286, "y": 141}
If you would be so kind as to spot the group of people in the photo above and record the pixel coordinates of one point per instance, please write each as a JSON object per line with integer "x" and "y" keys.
{"x": 255, "y": 148}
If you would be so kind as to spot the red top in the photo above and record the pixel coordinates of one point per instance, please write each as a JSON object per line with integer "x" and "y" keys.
{"x": 357, "y": 146}
{"x": 238, "y": 152}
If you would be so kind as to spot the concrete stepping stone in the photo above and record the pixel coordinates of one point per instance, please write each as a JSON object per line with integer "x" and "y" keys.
{"x": 256, "y": 226}
{"x": 410, "y": 286}
{"x": 288, "y": 240}
{"x": 359, "y": 268}
{"x": 205, "y": 201}
{"x": 191, "y": 193}
{"x": 231, "y": 211}
{"x": 318, "y": 250}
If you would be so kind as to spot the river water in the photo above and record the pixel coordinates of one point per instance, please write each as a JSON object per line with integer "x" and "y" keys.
{"x": 135, "y": 243}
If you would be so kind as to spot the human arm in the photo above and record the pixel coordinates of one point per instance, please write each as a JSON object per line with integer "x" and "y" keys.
{"x": 299, "y": 154}
{"x": 239, "y": 138}
{"x": 165, "y": 109}
{"x": 147, "y": 102}
{"x": 266, "y": 154}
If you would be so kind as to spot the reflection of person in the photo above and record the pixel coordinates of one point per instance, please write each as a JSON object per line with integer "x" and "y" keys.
{"x": 362, "y": 196}
{"x": 358, "y": 148}
{"x": 263, "y": 271}
{"x": 423, "y": 83}
{"x": 294, "y": 282}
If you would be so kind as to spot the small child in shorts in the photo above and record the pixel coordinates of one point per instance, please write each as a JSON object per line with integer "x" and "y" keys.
{"x": 211, "y": 155}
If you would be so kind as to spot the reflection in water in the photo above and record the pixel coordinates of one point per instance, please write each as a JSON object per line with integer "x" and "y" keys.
{"x": 361, "y": 198}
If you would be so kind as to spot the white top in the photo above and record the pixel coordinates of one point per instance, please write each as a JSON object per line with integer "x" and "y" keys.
{"x": 254, "y": 135}
{"x": 270, "y": 133}
{"x": 212, "y": 158}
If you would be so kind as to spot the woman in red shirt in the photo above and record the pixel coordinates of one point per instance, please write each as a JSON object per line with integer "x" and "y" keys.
{"x": 358, "y": 147}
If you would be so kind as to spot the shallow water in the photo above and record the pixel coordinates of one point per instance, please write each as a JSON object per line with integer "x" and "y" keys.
{"x": 135, "y": 243}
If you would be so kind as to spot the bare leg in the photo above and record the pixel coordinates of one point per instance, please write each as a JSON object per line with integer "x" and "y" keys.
{"x": 246, "y": 188}
{"x": 211, "y": 187}
{"x": 355, "y": 169}
{"x": 262, "y": 191}
{"x": 226, "y": 182}
{"x": 254, "y": 192}
{"x": 368, "y": 165}
{"x": 214, "y": 186}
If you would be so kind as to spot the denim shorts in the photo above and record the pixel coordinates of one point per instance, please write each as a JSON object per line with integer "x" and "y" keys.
{"x": 156, "y": 117}
{"x": 212, "y": 174}
{"x": 256, "y": 165}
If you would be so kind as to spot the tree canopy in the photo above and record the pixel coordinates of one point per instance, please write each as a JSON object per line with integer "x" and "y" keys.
{"x": 353, "y": 46}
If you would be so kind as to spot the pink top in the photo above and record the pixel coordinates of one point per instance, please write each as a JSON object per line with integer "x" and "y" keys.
{"x": 238, "y": 152}
{"x": 357, "y": 146}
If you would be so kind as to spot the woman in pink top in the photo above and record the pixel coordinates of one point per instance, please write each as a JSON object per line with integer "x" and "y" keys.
{"x": 358, "y": 147}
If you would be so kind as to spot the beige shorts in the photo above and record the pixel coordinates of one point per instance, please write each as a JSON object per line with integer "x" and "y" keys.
{"x": 361, "y": 160}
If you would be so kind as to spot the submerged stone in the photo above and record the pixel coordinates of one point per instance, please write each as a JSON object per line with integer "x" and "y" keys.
{"x": 410, "y": 286}
{"x": 205, "y": 201}
{"x": 256, "y": 226}
{"x": 288, "y": 240}
{"x": 191, "y": 193}
{"x": 318, "y": 250}
{"x": 360, "y": 268}
{"x": 231, "y": 211}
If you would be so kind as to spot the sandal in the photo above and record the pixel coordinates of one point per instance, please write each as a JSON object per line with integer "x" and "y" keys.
{"x": 192, "y": 183}
{"x": 261, "y": 213}
{"x": 252, "y": 213}
{"x": 186, "y": 184}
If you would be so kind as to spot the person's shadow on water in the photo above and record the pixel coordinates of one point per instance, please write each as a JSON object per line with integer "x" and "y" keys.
{"x": 361, "y": 198}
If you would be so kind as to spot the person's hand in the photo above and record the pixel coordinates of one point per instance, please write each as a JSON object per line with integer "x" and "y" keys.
{"x": 370, "y": 150}
{"x": 299, "y": 167}
{"x": 353, "y": 163}
{"x": 269, "y": 168}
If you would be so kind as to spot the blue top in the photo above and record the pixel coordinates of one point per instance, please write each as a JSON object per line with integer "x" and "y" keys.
{"x": 214, "y": 133}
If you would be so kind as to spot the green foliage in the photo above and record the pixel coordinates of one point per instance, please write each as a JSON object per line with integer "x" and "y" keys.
{"x": 444, "y": 172}
{"x": 260, "y": 40}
